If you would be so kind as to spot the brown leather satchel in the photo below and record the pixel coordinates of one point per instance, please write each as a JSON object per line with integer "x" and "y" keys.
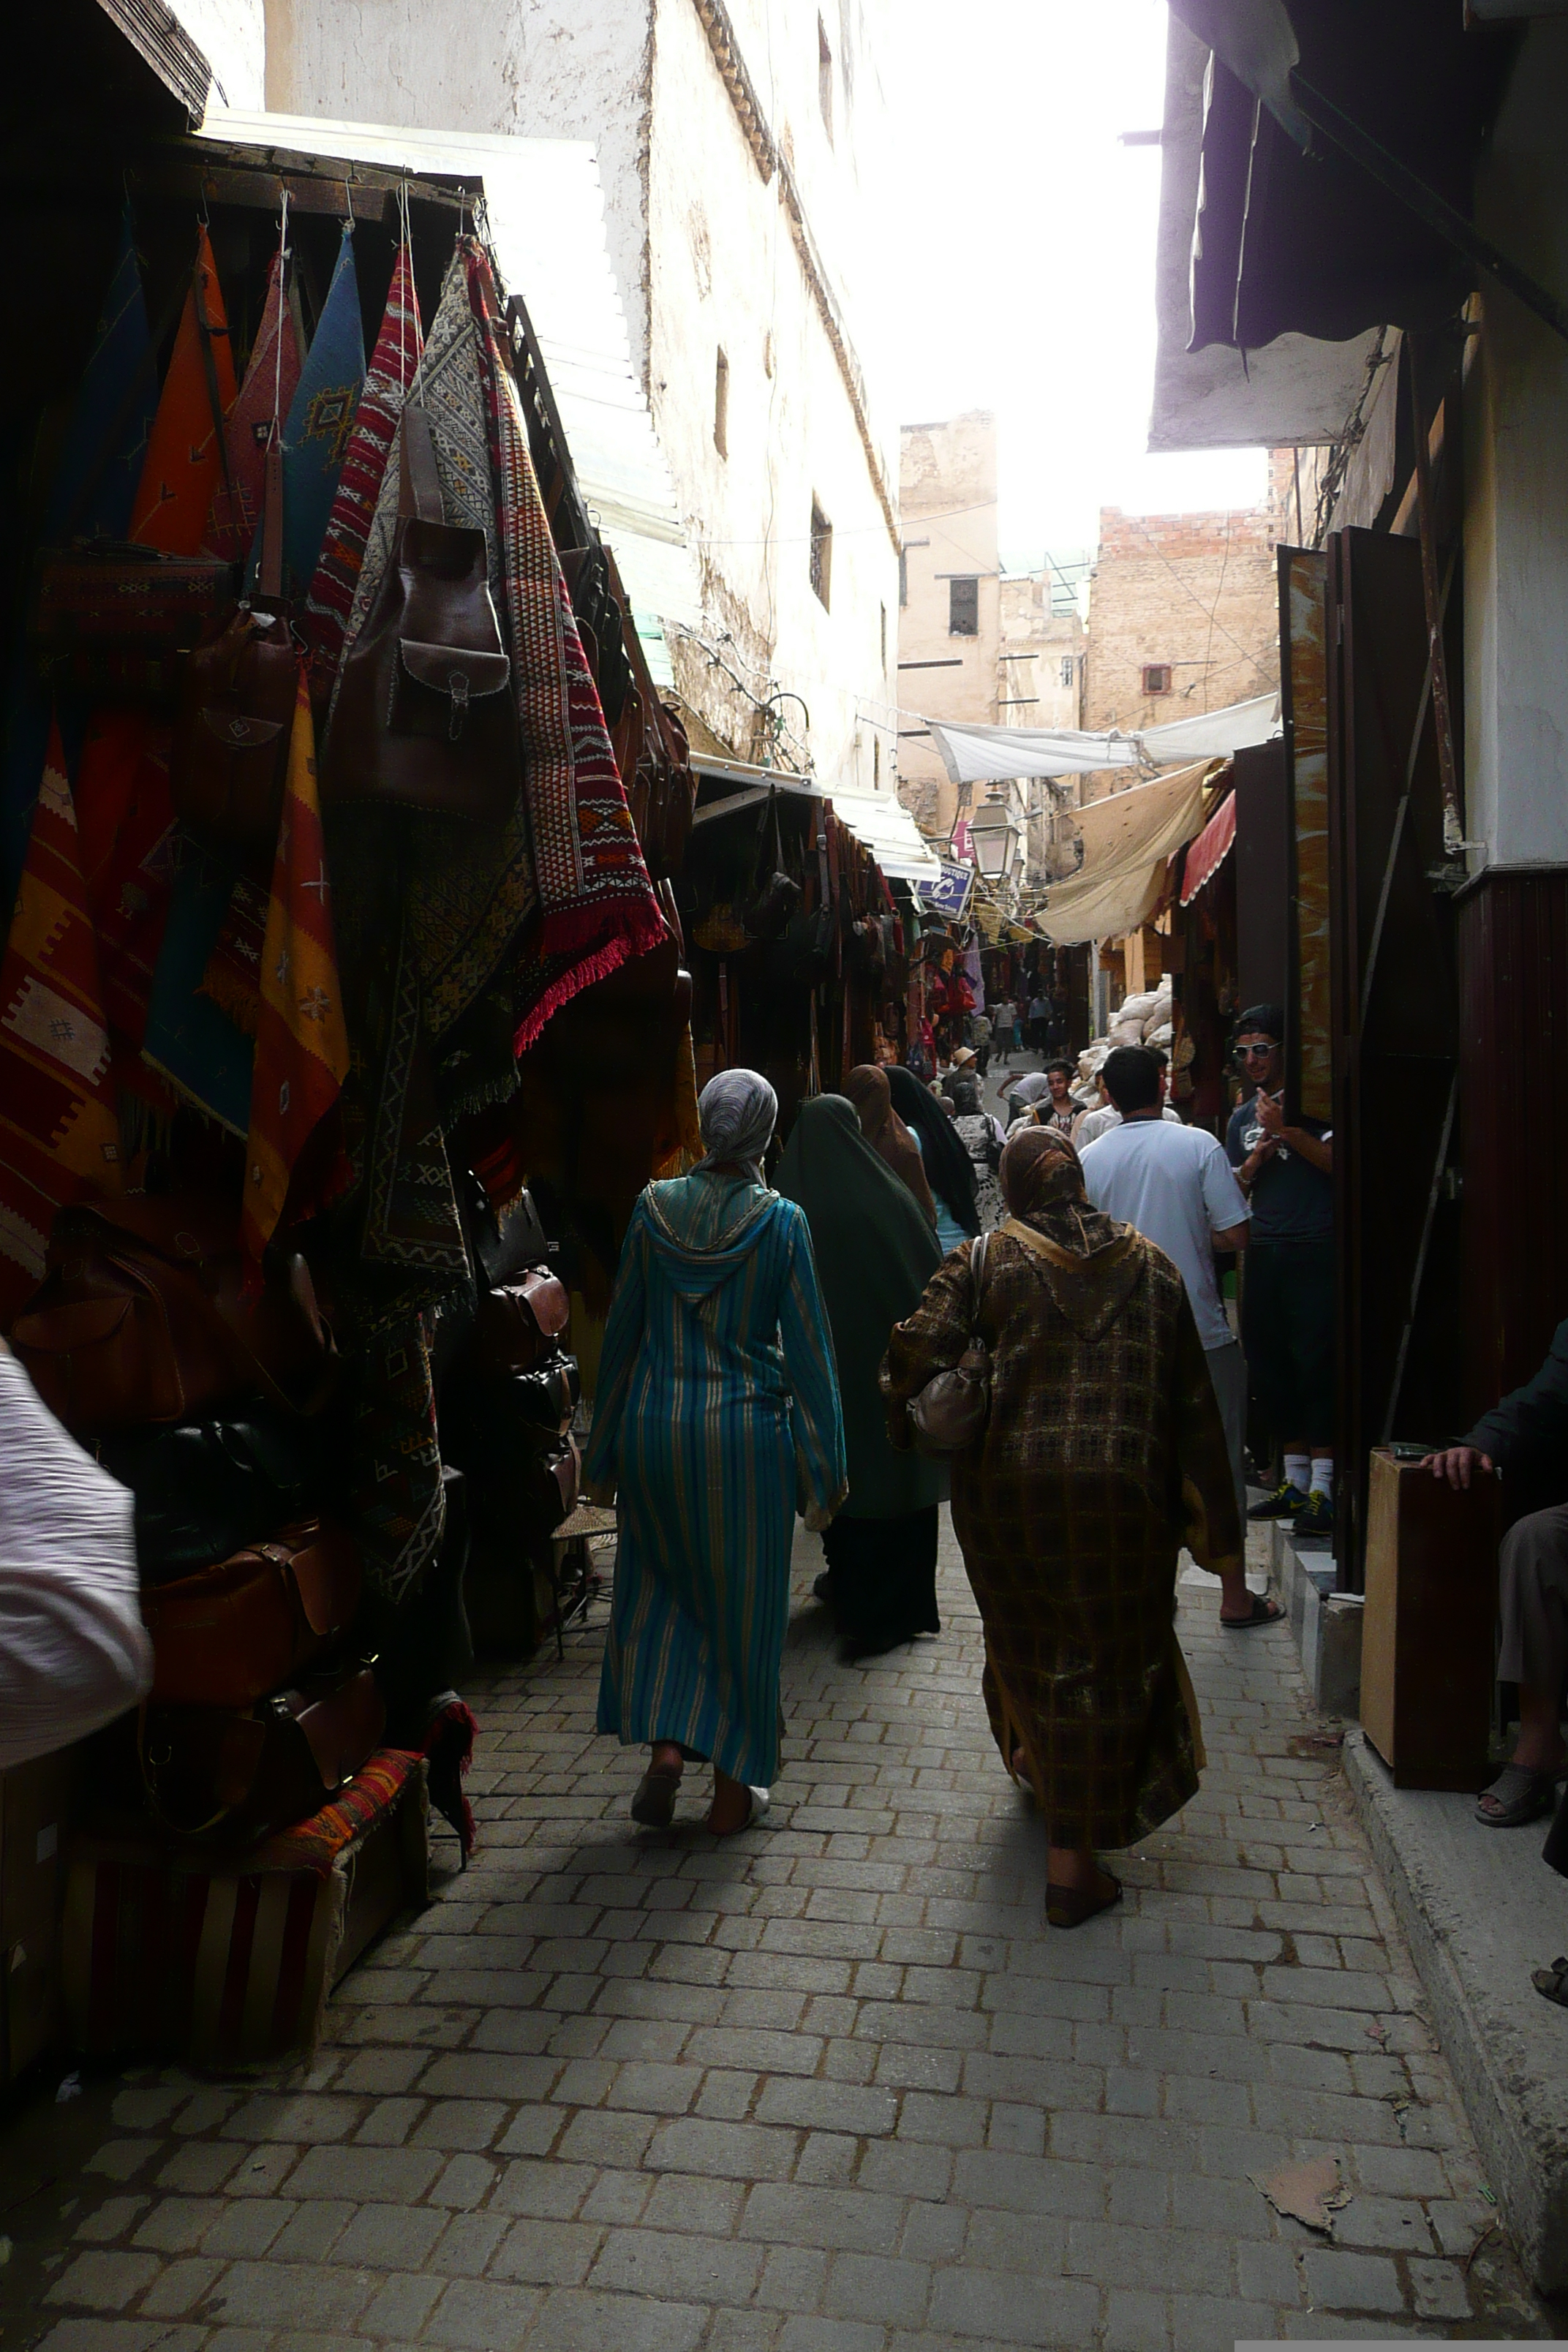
{"x": 208, "y": 1771}
{"x": 950, "y": 1411}
{"x": 230, "y": 1634}
{"x": 520, "y": 1321}
{"x": 424, "y": 715}
{"x": 230, "y": 754}
{"x": 144, "y": 1319}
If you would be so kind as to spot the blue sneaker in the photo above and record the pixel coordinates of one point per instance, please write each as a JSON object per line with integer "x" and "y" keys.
{"x": 1285, "y": 1503}
{"x": 1317, "y": 1519}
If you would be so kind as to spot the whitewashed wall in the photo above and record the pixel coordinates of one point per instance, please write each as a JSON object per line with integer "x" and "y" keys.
{"x": 1515, "y": 522}
{"x": 232, "y": 36}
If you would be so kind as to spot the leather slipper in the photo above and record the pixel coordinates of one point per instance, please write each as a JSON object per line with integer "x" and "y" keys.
{"x": 1264, "y": 1612}
{"x": 653, "y": 1807}
{"x": 1552, "y": 1982}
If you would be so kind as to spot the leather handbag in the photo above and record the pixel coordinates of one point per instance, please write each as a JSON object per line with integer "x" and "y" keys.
{"x": 230, "y": 755}
{"x": 950, "y": 1411}
{"x": 207, "y": 1488}
{"x": 227, "y": 1635}
{"x": 425, "y": 716}
{"x": 546, "y": 1490}
{"x": 519, "y": 1322}
{"x": 210, "y": 1770}
{"x": 546, "y": 1398}
{"x": 144, "y": 1319}
{"x": 778, "y": 892}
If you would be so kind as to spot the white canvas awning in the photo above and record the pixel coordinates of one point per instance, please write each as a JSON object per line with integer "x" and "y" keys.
{"x": 973, "y": 755}
{"x": 891, "y": 833}
{"x": 546, "y": 217}
{"x": 1127, "y": 838}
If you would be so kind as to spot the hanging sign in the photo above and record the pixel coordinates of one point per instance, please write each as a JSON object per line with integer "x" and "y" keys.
{"x": 949, "y": 895}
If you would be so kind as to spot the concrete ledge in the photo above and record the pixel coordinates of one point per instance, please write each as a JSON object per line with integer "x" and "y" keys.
{"x": 1324, "y": 1624}
{"x": 1480, "y": 1910}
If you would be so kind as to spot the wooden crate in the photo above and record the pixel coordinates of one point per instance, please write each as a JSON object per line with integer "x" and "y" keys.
{"x": 1427, "y": 1635}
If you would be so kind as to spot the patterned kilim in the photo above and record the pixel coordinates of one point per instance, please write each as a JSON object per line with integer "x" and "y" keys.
{"x": 393, "y": 1472}
{"x": 189, "y": 1041}
{"x": 60, "y": 1136}
{"x": 301, "y": 1044}
{"x": 183, "y": 465}
{"x": 321, "y": 419}
{"x": 263, "y": 402}
{"x": 233, "y": 975}
{"x": 316, "y": 1845}
{"x": 396, "y": 355}
{"x": 1103, "y": 1453}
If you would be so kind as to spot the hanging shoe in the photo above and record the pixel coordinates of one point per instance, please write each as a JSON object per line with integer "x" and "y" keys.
{"x": 1316, "y": 1519}
{"x": 1282, "y": 1504}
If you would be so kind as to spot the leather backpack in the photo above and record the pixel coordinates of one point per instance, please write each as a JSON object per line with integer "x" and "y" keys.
{"x": 425, "y": 717}
{"x": 229, "y": 760}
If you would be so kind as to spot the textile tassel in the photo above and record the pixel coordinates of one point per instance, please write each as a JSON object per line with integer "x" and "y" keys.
{"x": 59, "y": 1133}
{"x": 301, "y": 1041}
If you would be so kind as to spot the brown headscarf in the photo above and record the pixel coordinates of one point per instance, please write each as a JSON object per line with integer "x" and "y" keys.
{"x": 868, "y": 1089}
{"x": 1091, "y": 1263}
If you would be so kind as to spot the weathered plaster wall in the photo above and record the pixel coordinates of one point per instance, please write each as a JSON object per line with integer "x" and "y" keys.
{"x": 947, "y": 496}
{"x": 1197, "y": 591}
{"x": 544, "y": 68}
{"x": 232, "y": 36}
{"x": 1516, "y": 521}
{"x": 725, "y": 274}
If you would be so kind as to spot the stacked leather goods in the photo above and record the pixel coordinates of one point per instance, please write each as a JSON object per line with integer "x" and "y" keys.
{"x": 508, "y": 1393}
{"x": 206, "y": 1402}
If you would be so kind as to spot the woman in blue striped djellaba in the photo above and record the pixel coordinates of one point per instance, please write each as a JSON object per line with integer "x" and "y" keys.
{"x": 716, "y": 1417}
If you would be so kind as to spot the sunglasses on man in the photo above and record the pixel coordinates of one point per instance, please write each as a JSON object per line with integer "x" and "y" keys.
{"x": 1256, "y": 1053}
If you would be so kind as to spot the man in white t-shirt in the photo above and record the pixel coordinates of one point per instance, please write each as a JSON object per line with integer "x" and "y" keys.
{"x": 1174, "y": 1186}
{"x": 1096, "y": 1123}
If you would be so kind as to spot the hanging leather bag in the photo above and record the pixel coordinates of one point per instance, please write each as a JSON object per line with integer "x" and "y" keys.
{"x": 231, "y": 1632}
{"x": 144, "y": 1318}
{"x": 520, "y": 1321}
{"x": 778, "y": 892}
{"x": 950, "y": 1411}
{"x": 230, "y": 755}
{"x": 425, "y": 716}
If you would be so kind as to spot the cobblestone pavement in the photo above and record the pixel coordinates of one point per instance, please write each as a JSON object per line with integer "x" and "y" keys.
{"x": 830, "y": 2088}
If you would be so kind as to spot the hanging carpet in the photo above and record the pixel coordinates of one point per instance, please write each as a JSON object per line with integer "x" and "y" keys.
{"x": 264, "y": 399}
{"x": 321, "y": 419}
{"x": 183, "y": 466}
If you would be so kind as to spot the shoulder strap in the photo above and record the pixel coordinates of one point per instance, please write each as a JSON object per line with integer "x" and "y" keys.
{"x": 269, "y": 571}
{"x": 419, "y": 483}
{"x": 977, "y": 1266}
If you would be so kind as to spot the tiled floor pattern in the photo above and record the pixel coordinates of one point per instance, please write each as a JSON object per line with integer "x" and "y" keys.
{"x": 833, "y": 2087}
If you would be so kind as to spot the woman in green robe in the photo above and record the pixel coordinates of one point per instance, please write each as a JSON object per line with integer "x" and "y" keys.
{"x": 875, "y": 1253}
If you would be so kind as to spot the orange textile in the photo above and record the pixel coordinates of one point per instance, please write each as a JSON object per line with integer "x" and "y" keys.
{"x": 59, "y": 1134}
{"x": 302, "y": 1042}
{"x": 182, "y": 470}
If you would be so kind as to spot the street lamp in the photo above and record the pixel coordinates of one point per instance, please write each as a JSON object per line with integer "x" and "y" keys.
{"x": 992, "y": 837}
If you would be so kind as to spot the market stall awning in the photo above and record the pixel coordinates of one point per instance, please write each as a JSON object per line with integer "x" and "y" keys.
{"x": 973, "y": 755}
{"x": 888, "y": 830}
{"x": 546, "y": 220}
{"x": 1127, "y": 839}
{"x": 1208, "y": 853}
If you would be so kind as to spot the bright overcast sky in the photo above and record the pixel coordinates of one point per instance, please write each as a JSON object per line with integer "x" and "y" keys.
{"x": 1023, "y": 236}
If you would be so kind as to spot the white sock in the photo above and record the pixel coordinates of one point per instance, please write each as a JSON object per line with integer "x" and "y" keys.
{"x": 1322, "y": 1476}
{"x": 1297, "y": 1470}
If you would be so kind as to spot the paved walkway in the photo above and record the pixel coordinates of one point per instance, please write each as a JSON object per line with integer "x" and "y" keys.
{"x": 831, "y": 2088}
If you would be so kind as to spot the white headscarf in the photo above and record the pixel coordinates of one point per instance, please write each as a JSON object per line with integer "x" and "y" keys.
{"x": 737, "y": 1112}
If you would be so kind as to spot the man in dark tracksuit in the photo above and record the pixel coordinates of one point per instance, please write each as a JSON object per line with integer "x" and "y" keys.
{"x": 1526, "y": 1437}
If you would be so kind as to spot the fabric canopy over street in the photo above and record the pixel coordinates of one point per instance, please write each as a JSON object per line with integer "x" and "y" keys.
{"x": 546, "y": 221}
{"x": 1127, "y": 838}
{"x": 974, "y": 755}
{"x": 1208, "y": 853}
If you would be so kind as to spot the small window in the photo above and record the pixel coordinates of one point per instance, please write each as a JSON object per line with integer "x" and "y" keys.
{"x": 882, "y": 632}
{"x": 824, "y": 79}
{"x": 903, "y": 577}
{"x": 821, "y": 556}
{"x": 721, "y": 405}
{"x": 963, "y": 608}
{"x": 875, "y": 764}
{"x": 1069, "y": 669}
{"x": 1156, "y": 678}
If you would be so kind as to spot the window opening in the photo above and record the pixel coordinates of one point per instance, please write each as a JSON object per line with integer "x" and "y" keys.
{"x": 721, "y": 404}
{"x": 1156, "y": 678}
{"x": 963, "y": 608}
{"x": 824, "y": 79}
{"x": 821, "y": 555}
{"x": 1068, "y": 669}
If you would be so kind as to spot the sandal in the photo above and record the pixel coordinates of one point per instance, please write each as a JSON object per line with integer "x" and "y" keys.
{"x": 653, "y": 1807}
{"x": 1552, "y": 1982}
{"x": 1069, "y": 1906}
{"x": 1264, "y": 1612}
{"x": 1519, "y": 1794}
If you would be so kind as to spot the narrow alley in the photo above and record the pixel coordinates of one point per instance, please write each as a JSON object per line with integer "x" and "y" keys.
{"x": 830, "y": 2088}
